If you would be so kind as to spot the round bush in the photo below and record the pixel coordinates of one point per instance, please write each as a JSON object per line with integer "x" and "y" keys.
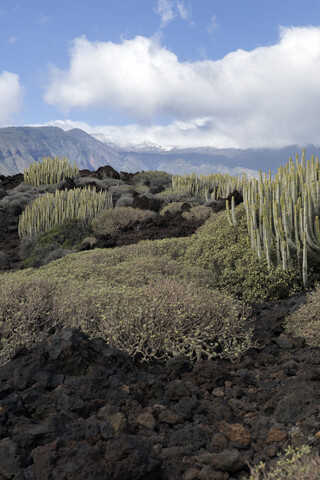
{"x": 110, "y": 222}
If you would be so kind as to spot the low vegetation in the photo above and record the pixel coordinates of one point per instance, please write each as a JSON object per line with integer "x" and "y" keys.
{"x": 111, "y": 222}
{"x": 296, "y": 464}
{"x": 157, "y": 299}
{"x": 151, "y": 311}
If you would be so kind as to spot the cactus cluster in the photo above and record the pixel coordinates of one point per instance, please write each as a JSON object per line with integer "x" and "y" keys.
{"x": 50, "y": 171}
{"x": 53, "y": 209}
{"x": 283, "y": 214}
{"x": 209, "y": 187}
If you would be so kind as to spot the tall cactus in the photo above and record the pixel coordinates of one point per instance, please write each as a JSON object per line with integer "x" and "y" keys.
{"x": 52, "y": 209}
{"x": 50, "y": 171}
{"x": 286, "y": 210}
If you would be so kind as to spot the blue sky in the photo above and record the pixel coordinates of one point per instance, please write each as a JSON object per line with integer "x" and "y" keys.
{"x": 227, "y": 73}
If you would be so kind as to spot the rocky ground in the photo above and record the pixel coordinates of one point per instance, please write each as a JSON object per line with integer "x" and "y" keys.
{"x": 74, "y": 408}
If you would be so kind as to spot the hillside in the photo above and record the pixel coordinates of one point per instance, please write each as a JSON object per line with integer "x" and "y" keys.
{"x": 151, "y": 342}
{"x": 21, "y": 146}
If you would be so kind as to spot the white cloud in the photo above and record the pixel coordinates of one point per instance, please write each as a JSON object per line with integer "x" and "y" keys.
{"x": 267, "y": 96}
{"x": 164, "y": 8}
{"x": 212, "y": 25}
{"x": 11, "y": 93}
{"x": 168, "y": 10}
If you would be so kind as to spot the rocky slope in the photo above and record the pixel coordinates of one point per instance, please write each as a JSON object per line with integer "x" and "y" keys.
{"x": 74, "y": 408}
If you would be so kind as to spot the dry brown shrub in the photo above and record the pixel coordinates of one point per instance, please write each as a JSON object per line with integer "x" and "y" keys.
{"x": 200, "y": 212}
{"x": 172, "y": 207}
{"x": 305, "y": 322}
{"x": 26, "y": 314}
{"x": 159, "y": 320}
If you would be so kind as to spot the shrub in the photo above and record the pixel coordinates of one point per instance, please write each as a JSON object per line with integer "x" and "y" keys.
{"x": 54, "y": 243}
{"x": 172, "y": 207}
{"x": 125, "y": 201}
{"x": 50, "y": 170}
{"x": 224, "y": 248}
{"x": 134, "y": 306}
{"x": 198, "y": 213}
{"x": 152, "y": 179}
{"x": 160, "y": 320}
{"x": 177, "y": 195}
{"x": 305, "y": 321}
{"x": 110, "y": 222}
{"x": 120, "y": 267}
{"x": 297, "y": 464}
{"x": 26, "y": 314}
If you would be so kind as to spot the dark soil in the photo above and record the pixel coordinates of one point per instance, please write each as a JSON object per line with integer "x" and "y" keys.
{"x": 76, "y": 409}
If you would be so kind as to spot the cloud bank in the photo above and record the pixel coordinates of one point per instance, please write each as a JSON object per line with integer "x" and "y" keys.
{"x": 269, "y": 96}
{"x": 11, "y": 93}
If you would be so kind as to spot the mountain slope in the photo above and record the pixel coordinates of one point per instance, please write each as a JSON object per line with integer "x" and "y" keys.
{"x": 20, "y": 146}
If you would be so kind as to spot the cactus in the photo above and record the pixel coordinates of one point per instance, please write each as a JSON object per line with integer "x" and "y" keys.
{"x": 53, "y": 209}
{"x": 286, "y": 211}
{"x": 50, "y": 171}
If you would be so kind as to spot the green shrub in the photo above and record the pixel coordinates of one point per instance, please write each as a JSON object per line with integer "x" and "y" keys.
{"x": 56, "y": 242}
{"x": 179, "y": 194}
{"x": 225, "y": 249}
{"x": 174, "y": 247}
{"x": 120, "y": 267}
{"x": 296, "y": 464}
{"x": 110, "y": 222}
{"x": 152, "y": 179}
{"x": 50, "y": 171}
{"x": 172, "y": 207}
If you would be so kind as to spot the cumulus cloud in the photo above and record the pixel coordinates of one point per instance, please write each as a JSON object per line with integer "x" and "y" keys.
{"x": 11, "y": 93}
{"x": 267, "y": 96}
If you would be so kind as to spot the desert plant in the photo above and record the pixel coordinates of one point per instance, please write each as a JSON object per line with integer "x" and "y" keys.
{"x": 305, "y": 321}
{"x": 50, "y": 209}
{"x": 177, "y": 194}
{"x": 25, "y": 311}
{"x": 283, "y": 214}
{"x": 172, "y": 207}
{"x": 211, "y": 186}
{"x": 296, "y": 463}
{"x": 197, "y": 213}
{"x": 50, "y": 170}
{"x": 152, "y": 179}
{"x": 110, "y": 222}
{"x": 225, "y": 249}
{"x": 154, "y": 313}
{"x": 53, "y": 243}
{"x": 124, "y": 201}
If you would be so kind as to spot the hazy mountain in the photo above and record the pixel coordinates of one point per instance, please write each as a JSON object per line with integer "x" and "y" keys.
{"x": 20, "y": 146}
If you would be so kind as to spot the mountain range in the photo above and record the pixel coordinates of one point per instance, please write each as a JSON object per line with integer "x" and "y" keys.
{"x": 21, "y": 146}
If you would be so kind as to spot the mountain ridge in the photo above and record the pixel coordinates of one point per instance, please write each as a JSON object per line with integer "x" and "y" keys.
{"x": 21, "y": 146}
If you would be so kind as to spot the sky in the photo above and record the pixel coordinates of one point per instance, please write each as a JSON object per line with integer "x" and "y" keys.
{"x": 175, "y": 73}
